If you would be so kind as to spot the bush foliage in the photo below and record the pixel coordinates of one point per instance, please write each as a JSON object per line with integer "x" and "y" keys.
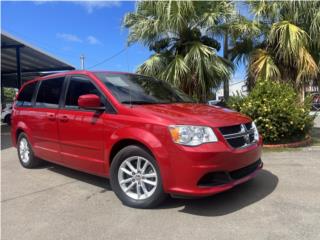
{"x": 277, "y": 111}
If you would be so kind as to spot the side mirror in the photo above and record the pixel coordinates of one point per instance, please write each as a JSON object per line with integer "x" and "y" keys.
{"x": 90, "y": 101}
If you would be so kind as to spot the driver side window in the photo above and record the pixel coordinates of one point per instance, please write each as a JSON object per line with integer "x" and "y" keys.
{"x": 78, "y": 86}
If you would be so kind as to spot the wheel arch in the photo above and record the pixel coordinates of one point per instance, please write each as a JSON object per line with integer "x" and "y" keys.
{"x": 141, "y": 137}
{"x": 21, "y": 127}
{"x": 18, "y": 132}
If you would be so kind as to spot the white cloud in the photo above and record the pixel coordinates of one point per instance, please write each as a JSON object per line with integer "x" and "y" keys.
{"x": 93, "y": 40}
{"x": 69, "y": 37}
{"x": 90, "y": 6}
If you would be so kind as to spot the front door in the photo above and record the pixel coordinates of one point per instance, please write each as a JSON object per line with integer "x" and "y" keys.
{"x": 82, "y": 132}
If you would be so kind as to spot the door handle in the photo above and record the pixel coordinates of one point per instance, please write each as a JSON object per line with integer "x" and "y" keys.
{"x": 64, "y": 118}
{"x": 51, "y": 116}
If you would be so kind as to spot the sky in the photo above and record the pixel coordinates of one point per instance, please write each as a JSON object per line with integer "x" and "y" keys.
{"x": 70, "y": 29}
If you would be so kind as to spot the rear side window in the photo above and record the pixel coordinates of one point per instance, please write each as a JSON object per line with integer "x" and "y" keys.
{"x": 79, "y": 86}
{"x": 49, "y": 93}
{"x": 25, "y": 96}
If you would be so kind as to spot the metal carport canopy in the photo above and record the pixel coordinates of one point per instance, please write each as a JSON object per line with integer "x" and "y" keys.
{"x": 19, "y": 57}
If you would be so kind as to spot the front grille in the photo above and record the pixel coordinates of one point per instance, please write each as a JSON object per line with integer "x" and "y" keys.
{"x": 237, "y": 142}
{"x": 230, "y": 129}
{"x": 242, "y": 172}
{"x": 239, "y": 136}
{"x": 248, "y": 125}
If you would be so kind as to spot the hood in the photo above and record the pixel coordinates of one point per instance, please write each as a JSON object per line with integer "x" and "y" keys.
{"x": 196, "y": 114}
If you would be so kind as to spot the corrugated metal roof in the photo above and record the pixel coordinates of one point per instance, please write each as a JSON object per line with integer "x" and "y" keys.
{"x": 32, "y": 59}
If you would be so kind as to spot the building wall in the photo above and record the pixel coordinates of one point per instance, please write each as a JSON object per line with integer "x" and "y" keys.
{"x": 234, "y": 88}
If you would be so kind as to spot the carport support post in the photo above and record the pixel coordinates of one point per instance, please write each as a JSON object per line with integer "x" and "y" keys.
{"x": 19, "y": 80}
{"x": 2, "y": 97}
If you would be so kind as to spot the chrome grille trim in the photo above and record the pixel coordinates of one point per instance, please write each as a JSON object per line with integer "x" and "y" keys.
{"x": 240, "y": 134}
{"x": 240, "y": 139}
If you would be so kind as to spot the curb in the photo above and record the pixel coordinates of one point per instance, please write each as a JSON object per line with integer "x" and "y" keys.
{"x": 303, "y": 143}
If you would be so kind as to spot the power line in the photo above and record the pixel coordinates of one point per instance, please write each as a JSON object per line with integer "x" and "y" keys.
{"x": 109, "y": 58}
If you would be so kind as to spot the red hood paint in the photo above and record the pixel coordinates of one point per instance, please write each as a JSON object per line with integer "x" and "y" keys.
{"x": 197, "y": 114}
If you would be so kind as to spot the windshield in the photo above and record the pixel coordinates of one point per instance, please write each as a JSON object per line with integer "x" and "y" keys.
{"x": 138, "y": 89}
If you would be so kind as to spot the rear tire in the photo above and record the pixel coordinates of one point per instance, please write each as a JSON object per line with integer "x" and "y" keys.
{"x": 25, "y": 152}
{"x": 135, "y": 178}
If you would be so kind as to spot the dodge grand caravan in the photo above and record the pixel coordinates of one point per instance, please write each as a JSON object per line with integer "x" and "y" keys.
{"x": 146, "y": 136}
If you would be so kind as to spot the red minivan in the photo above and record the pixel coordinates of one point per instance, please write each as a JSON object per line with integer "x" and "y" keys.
{"x": 148, "y": 137}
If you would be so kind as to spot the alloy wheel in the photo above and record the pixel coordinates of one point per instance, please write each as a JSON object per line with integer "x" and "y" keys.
{"x": 24, "y": 150}
{"x": 137, "y": 177}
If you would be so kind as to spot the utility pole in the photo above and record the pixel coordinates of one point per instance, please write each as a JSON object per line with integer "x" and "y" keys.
{"x": 82, "y": 62}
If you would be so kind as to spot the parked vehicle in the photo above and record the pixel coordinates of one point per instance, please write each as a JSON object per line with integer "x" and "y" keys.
{"x": 213, "y": 102}
{"x": 315, "y": 101}
{"x": 217, "y": 103}
{"x": 6, "y": 114}
{"x": 149, "y": 138}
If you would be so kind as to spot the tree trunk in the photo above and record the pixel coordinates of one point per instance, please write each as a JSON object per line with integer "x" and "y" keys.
{"x": 226, "y": 56}
{"x": 301, "y": 92}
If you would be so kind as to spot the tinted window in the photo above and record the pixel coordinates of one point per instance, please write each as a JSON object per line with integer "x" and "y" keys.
{"x": 25, "y": 96}
{"x": 79, "y": 86}
{"x": 49, "y": 92}
{"x": 138, "y": 89}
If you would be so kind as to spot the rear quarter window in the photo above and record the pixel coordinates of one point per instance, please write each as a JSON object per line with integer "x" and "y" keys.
{"x": 25, "y": 96}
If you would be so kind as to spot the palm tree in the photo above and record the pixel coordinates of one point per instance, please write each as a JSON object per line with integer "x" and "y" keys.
{"x": 237, "y": 33}
{"x": 180, "y": 33}
{"x": 289, "y": 49}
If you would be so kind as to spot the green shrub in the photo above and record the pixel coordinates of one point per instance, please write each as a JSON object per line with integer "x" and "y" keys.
{"x": 235, "y": 101}
{"x": 9, "y": 94}
{"x": 277, "y": 111}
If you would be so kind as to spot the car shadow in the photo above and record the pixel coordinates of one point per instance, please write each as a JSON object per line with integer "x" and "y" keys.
{"x": 220, "y": 204}
{"x": 77, "y": 175}
{"x": 230, "y": 201}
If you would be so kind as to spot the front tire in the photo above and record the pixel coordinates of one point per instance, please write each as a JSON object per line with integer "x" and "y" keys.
{"x": 25, "y": 152}
{"x": 135, "y": 178}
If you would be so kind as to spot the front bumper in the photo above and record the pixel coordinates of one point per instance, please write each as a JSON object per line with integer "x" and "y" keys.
{"x": 190, "y": 165}
{"x": 207, "y": 190}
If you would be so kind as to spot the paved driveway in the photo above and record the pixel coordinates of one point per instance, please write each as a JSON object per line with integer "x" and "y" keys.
{"x": 53, "y": 202}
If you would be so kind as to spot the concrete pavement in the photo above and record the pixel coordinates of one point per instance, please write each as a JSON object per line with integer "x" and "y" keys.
{"x": 53, "y": 202}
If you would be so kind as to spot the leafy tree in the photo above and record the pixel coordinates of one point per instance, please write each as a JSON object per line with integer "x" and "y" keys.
{"x": 289, "y": 47}
{"x": 182, "y": 36}
{"x": 238, "y": 34}
{"x": 9, "y": 94}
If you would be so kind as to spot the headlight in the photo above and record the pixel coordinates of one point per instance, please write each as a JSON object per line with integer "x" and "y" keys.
{"x": 192, "y": 135}
{"x": 256, "y": 133}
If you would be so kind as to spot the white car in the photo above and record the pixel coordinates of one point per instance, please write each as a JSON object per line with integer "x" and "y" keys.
{"x": 6, "y": 113}
{"x": 213, "y": 102}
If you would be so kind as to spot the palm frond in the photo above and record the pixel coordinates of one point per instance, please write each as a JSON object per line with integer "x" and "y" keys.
{"x": 287, "y": 40}
{"x": 176, "y": 71}
{"x": 307, "y": 67}
{"x": 315, "y": 28}
{"x": 262, "y": 66}
{"x": 154, "y": 66}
